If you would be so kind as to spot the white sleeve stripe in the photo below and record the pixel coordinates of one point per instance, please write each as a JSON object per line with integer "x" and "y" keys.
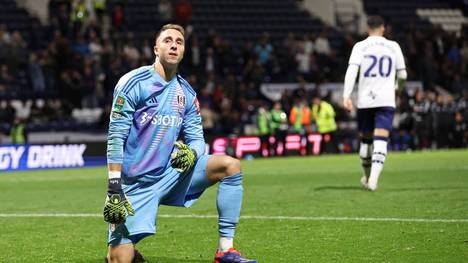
{"x": 401, "y": 68}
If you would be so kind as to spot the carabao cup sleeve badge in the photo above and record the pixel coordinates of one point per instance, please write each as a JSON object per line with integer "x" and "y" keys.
{"x": 119, "y": 103}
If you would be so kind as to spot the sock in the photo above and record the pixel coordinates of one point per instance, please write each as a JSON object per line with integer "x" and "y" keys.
{"x": 365, "y": 150}
{"x": 225, "y": 243}
{"x": 378, "y": 159}
{"x": 229, "y": 202}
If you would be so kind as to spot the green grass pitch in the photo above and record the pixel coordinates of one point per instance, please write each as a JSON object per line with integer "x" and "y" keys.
{"x": 301, "y": 209}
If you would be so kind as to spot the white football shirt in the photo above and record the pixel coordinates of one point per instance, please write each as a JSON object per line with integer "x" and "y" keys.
{"x": 378, "y": 60}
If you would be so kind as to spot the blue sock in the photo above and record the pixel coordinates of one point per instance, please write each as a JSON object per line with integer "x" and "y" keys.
{"x": 229, "y": 202}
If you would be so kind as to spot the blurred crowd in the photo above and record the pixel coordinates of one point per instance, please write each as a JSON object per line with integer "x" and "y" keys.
{"x": 74, "y": 62}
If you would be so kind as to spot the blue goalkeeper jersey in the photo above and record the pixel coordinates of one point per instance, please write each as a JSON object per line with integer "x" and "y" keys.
{"x": 148, "y": 113}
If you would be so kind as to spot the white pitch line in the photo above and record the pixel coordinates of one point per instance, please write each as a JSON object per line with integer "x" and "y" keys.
{"x": 292, "y": 218}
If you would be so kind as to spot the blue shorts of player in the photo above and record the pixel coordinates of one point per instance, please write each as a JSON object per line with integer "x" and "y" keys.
{"x": 171, "y": 189}
{"x": 372, "y": 118}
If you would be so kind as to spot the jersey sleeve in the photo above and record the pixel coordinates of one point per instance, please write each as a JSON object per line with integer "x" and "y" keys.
{"x": 356, "y": 56}
{"x": 192, "y": 127}
{"x": 400, "y": 60}
{"x": 121, "y": 117}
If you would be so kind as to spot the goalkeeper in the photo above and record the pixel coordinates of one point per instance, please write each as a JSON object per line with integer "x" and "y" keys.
{"x": 148, "y": 167}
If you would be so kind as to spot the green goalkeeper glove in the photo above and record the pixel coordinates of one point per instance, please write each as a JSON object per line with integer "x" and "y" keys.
{"x": 116, "y": 206}
{"x": 184, "y": 158}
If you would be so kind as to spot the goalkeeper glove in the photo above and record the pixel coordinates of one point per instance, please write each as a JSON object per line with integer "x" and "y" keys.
{"x": 184, "y": 158}
{"x": 116, "y": 206}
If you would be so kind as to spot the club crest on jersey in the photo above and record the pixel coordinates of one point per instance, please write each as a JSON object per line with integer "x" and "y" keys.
{"x": 119, "y": 103}
{"x": 181, "y": 103}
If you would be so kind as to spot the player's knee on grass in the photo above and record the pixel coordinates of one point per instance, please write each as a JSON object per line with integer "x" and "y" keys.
{"x": 120, "y": 253}
{"x": 222, "y": 166}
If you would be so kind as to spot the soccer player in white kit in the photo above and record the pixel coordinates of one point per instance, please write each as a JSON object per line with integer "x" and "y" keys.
{"x": 381, "y": 67}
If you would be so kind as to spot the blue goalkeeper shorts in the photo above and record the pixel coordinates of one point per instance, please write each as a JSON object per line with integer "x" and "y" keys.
{"x": 172, "y": 189}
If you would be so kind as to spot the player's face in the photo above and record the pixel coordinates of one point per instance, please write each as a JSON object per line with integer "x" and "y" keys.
{"x": 170, "y": 47}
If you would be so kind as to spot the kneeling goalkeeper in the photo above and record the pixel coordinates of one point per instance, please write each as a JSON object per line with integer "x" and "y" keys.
{"x": 149, "y": 167}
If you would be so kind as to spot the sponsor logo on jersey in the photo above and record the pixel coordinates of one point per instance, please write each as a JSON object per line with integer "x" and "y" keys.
{"x": 161, "y": 119}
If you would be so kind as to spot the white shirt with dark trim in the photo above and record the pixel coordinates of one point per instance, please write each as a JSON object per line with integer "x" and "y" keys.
{"x": 378, "y": 60}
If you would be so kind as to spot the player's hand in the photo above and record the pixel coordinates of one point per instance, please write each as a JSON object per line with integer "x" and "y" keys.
{"x": 184, "y": 158}
{"x": 348, "y": 104}
{"x": 116, "y": 207}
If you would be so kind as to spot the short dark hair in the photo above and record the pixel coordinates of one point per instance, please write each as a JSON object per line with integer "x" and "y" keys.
{"x": 374, "y": 22}
{"x": 170, "y": 26}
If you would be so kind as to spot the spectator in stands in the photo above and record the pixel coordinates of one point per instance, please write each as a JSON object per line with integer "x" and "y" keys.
{"x": 61, "y": 21}
{"x": 460, "y": 134}
{"x": 36, "y": 115}
{"x": 165, "y": 11}
{"x": 17, "y": 53}
{"x": 303, "y": 60}
{"x": 263, "y": 127}
{"x": 49, "y": 71}
{"x": 90, "y": 99}
{"x": 80, "y": 15}
{"x": 422, "y": 125}
{"x": 5, "y": 37}
{"x": 182, "y": 12}
{"x": 118, "y": 17}
{"x": 99, "y": 9}
{"x": 445, "y": 116}
{"x": 208, "y": 118}
{"x": 299, "y": 117}
{"x": 18, "y": 132}
{"x": 263, "y": 49}
{"x": 323, "y": 115}
{"x": 36, "y": 75}
{"x": 147, "y": 52}
{"x": 130, "y": 52}
{"x": 279, "y": 127}
{"x": 322, "y": 46}
{"x": 95, "y": 46}
{"x": 210, "y": 61}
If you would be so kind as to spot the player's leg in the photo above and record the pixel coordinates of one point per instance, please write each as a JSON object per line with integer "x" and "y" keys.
{"x": 366, "y": 127}
{"x": 227, "y": 171}
{"x": 122, "y": 253}
{"x": 208, "y": 170}
{"x": 383, "y": 126}
{"x": 365, "y": 153}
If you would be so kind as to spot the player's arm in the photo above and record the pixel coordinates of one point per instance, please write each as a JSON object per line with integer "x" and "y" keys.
{"x": 401, "y": 73}
{"x": 117, "y": 206}
{"x": 350, "y": 77}
{"x": 186, "y": 154}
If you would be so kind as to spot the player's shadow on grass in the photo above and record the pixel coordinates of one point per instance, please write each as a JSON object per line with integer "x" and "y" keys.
{"x": 338, "y": 187}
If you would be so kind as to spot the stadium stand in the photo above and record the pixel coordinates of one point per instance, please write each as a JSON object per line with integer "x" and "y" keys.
{"x": 60, "y": 76}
